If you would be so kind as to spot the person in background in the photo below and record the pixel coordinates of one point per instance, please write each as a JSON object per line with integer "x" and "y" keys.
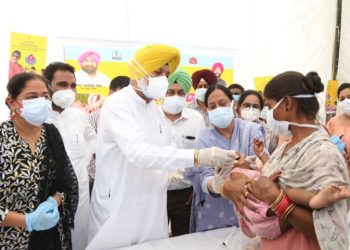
{"x": 250, "y": 108}
{"x": 250, "y": 105}
{"x": 116, "y": 84}
{"x": 88, "y": 75}
{"x": 201, "y": 80}
{"x": 340, "y": 124}
{"x": 185, "y": 126}
{"x": 128, "y": 202}
{"x": 14, "y": 66}
{"x": 38, "y": 186}
{"x": 210, "y": 209}
{"x": 236, "y": 91}
{"x": 218, "y": 69}
{"x": 78, "y": 136}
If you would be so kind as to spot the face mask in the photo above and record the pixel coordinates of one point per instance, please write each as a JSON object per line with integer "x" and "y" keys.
{"x": 63, "y": 98}
{"x": 156, "y": 88}
{"x": 344, "y": 107}
{"x": 263, "y": 113}
{"x": 250, "y": 114}
{"x": 282, "y": 127}
{"x": 200, "y": 94}
{"x": 236, "y": 97}
{"x": 221, "y": 117}
{"x": 36, "y": 111}
{"x": 174, "y": 104}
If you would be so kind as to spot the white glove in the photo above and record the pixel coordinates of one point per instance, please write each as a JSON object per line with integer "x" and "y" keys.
{"x": 219, "y": 177}
{"x": 217, "y": 157}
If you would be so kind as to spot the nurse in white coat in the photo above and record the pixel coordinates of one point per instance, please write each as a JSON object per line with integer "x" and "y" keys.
{"x": 79, "y": 139}
{"x": 128, "y": 203}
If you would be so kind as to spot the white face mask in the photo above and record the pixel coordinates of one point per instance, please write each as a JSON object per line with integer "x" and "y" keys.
{"x": 344, "y": 107}
{"x": 250, "y": 114}
{"x": 156, "y": 88}
{"x": 63, "y": 98}
{"x": 282, "y": 127}
{"x": 174, "y": 104}
{"x": 264, "y": 112}
{"x": 200, "y": 94}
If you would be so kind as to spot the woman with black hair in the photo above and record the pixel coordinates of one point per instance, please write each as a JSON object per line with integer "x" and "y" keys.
{"x": 340, "y": 124}
{"x": 309, "y": 161}
{"x": 210, "y": 210}
{"x": 38, "y": 187}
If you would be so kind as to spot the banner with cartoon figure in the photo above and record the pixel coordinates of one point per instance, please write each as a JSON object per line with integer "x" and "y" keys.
{"x": 96, "y": 67}
{"x": 27, "y": 53}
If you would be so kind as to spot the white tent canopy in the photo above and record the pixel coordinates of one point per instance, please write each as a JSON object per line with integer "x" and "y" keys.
{"x": 264, "y": 37}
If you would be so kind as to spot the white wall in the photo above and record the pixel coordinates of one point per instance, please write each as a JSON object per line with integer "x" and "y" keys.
{"x": 344, "y": 56}
{"x": 265, "y": 37}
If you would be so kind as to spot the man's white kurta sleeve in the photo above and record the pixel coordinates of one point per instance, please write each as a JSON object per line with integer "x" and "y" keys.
{"x": 126, "y": 132}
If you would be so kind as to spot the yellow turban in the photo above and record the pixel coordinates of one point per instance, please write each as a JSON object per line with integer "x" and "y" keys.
{"x": 152, "y": 57}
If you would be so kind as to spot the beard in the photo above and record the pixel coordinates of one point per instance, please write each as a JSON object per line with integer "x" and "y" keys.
{"x": 90, "y": 70}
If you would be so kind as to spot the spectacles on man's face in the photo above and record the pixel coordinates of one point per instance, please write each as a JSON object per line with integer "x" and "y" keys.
{"x": 172, "y": 92}
{"x": 16, "y": 56}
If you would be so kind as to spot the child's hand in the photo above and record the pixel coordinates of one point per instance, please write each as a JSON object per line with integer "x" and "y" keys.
{"x": 241, "y": 161}
{"x": 258, "y": 146}
{"x": 275, "y": 175}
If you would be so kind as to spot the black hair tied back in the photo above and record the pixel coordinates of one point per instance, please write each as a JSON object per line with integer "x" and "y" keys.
{"x": 312, "y": 83}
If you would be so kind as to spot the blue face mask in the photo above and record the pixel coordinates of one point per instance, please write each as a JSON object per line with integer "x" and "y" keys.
{"x": 236, "y": 97}
{"x": 36, "y": 111}
{"x": 221, "y": 117}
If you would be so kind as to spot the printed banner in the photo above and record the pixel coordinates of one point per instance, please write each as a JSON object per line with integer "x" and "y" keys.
{"x": 260, "y": 82}
{"x": 96, "y": 67}
{"x": 331, "y": 96}
{"x": 27, "y": 53}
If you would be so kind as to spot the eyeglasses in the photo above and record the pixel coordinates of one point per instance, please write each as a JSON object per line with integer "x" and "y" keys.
{"x": 171, "y": 92}
{"x": 17, "y": 56}
{"x": 249, "y": 105}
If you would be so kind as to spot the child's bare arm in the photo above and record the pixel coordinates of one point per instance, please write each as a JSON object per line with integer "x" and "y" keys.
{"x": 298, "y": 196}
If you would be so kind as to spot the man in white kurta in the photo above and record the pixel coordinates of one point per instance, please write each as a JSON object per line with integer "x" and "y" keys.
{"x": 128, "y": 204}
{"x": 79, "y": 140}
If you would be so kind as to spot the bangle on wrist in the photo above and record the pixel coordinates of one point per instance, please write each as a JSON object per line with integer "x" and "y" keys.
{"x": 283, "y": 206}
{"x": 261, "y": 154}
{"x": 274, "y": 204}
{"x": 196, "y": 158}
{"x": 288, "y": 211}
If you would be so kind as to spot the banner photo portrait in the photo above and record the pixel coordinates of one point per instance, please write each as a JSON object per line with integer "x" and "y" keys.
{"x": 27, "y": 53}
{"x": 221, "y": 66}
{"x": 96, "y": 67}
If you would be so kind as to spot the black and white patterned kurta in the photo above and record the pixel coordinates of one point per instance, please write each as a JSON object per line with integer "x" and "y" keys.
{"x": 21, "y": 173}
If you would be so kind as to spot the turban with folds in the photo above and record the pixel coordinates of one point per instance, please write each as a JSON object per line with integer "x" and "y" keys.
{"x": 93, "y": 54}
{"x": 205, "y": 74}
{"x": 182, "y": 78}
{"x": 152, "y": 57}
{"x": 217, "y": 66}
